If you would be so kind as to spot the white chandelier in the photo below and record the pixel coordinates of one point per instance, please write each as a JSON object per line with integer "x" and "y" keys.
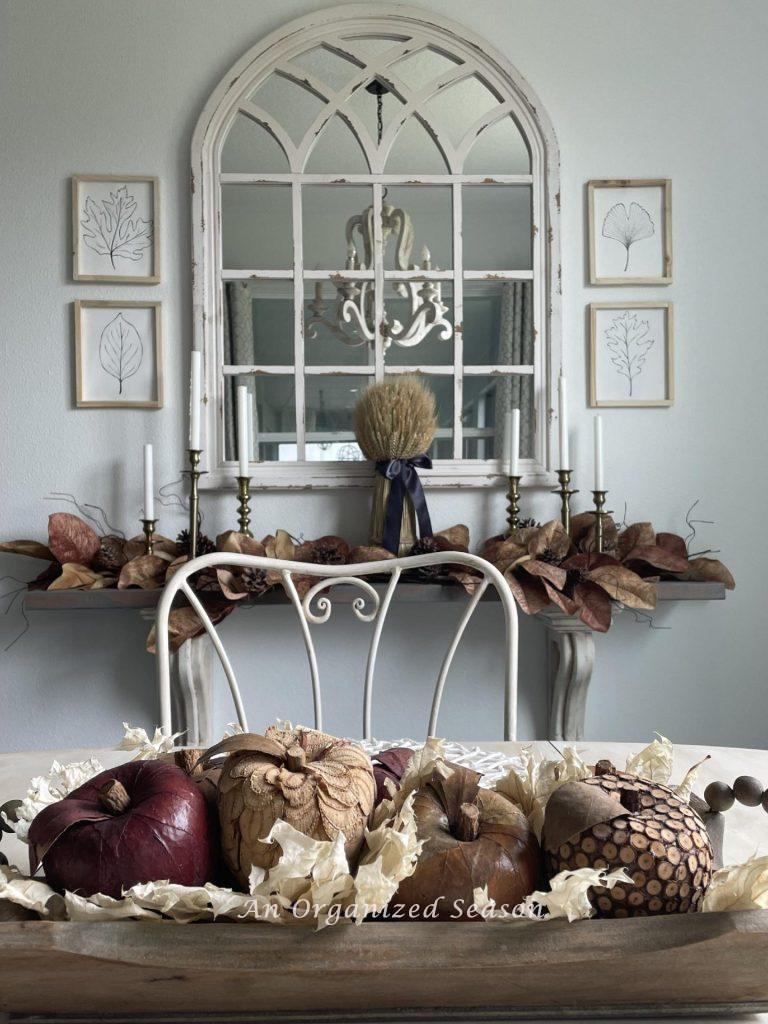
{"x": 354, "y": 315}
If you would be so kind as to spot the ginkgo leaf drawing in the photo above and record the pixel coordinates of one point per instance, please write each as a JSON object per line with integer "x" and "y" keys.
{"x": 628, "y": 343}
{"x": 120, "y": 350}
{"x": 628, "y": 225}
{"x": 111, "y": 227}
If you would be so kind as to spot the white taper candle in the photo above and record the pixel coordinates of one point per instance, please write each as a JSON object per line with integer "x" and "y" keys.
{"x": 562, "y": 397}
{"x": 242, "y": 431}
{"x": 195, "y": 387}
{"x": 251, "y": 432}
{"x": 599, "y": 482}
{"x": 149, "y": 483}
{"x": 512, "y": 441}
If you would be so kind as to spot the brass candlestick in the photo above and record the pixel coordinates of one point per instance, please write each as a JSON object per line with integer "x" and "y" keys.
{"x": 513, "y": 504}
{"x": 243, "y": 504}
{"x": 600, "y": 514}
{"x": 194, "y": 475}
{"x": 149, "y": 532}
{"x": 564, "y": 477}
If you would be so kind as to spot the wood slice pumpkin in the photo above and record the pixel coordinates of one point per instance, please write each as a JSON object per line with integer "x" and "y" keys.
{"x": 473, "y": 837}
{"x": 617, "y": 820}
{"x": 319, "y": 784}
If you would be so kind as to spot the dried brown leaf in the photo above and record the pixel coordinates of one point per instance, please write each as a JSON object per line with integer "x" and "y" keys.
{"x": 74, "y": 577}
{"x": 552, "y": 539}
{"x": 563, "y": 602}
{"x": 183, "y": 624}
{"x": 147, "y": 572}
{"x": 710, "y": 569}
{"x": 457, "y": 536}
{"x": 71, "y": 539}
{"x": 163, "y": 547}
{"x": 369, "y": 553}
{"x": 657, "y": 557}
{"x": 528, "y": 591}
{"x": 280, "y": 546}
{"x": 553, "y": 573}
{"x": 625, "y": 586}
{"x": 671, "y": 542}
{"x": 636, "y": 535}
{"x": 105, "y": 582}
{"x": 30, "y": 548}
{"x": 594, "y": 606}
{"x": 588, "y": 541}
{"x": 231, "y": 584}
{"x": 239, "y": 544}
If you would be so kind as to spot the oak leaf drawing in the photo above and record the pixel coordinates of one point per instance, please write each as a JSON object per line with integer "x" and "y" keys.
{"x": 110, "y": 228}
{"x": 628, "y": 226}
{"x": 120, "y": 350}
{"x": 629, "y": 345}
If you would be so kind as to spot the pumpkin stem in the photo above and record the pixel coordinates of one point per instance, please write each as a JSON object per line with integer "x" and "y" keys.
{"x": 113, "y": 797}
{"x": 604, "y": 767}
{"x": 468, "y": 823}
{"x": 295, "y": 758}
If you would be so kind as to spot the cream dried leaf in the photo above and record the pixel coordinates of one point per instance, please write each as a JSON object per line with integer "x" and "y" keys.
{"x": 653, "y": 762}
{"x": 740, "y": 887}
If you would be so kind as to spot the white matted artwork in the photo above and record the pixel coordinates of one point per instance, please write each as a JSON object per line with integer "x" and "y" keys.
{"x": 630, "y": 231}
{"x": 118, "y": 355}
{"x": 631, "y": 354}
{"x": 115, "y": 228}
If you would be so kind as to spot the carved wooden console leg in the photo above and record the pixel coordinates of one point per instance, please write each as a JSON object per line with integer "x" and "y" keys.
{"x": 192, "y": 689}
{"x": 571, "y": 658}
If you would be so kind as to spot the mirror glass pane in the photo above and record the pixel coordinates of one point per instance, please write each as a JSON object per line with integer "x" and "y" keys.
{"x": 433, "y": 350}
{"x": 326, "y": 213}
{"x": 274, "y": 416}
{"x": 256, "y": 227}
{"x": 337, "y": 151}
{"x": 456, "y": 108}
{"x": 419, "y": 69}
{"x": 258, "y": 323}
{"x": 499, "y": 149}
{"x": 330, "y": 403}
{"x": 498, "y": 323}
{"x": 497, "y": 227}
{"x": 293, "y": 106}
{"x": 485, "y": 401}
{"x": 327, "y": 337}
{"x": 251, "y": 148}
{"x": 372, "y": 46}
{"x": 327, "y": 65}
{"x": 418, "y": 217}
{"x": 415, "y": 151}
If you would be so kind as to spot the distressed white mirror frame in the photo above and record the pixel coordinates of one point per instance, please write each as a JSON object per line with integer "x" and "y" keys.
{"x": 410, "y": 29}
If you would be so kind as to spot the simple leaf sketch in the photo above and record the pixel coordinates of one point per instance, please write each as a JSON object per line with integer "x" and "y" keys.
{"x": 120, "y": 350}
{"x": 629, "y": 345}
{"x": 110, "y": 228}
{"x": 628, "y": 226}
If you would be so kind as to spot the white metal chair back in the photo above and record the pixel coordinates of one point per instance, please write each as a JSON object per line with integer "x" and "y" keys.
{"x": 371, "y": 608}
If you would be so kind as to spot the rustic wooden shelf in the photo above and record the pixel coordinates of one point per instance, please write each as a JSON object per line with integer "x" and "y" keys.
{"x": 409, "y": 593}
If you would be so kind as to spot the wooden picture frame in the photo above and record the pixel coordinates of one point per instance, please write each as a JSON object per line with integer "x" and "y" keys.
{"x": 116, "y": 228}
{"x": 640, "y": 226}
{"x": 119, "y": 360}
{"x": 618, "y": 360}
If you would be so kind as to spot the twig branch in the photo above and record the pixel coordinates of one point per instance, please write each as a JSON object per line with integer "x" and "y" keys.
{"x": 644, "y": 617}
{"x": 693, "y": 523}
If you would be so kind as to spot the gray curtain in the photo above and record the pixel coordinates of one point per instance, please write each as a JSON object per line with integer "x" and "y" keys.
{"x": 516, "y": 347}
{"x": 238, "y": 351}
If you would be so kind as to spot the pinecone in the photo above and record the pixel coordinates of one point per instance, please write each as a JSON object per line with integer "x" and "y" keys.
{"x": 111, "y": 555}
{"x": 430, "y": 546}
{"x": 256, "y": 581}
{"x": 328, "y": 550}
{"x": 205, "y": 545}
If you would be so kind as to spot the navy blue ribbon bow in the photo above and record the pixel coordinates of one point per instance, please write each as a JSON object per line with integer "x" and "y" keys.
{"x": 404, "y": 480}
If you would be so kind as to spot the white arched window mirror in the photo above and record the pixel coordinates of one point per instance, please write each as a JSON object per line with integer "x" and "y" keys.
{"x": 375, "y": 191}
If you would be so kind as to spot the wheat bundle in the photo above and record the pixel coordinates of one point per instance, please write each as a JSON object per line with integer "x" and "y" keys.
{"x": 395, "y": 424}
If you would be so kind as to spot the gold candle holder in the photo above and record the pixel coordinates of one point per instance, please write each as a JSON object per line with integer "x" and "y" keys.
{"x": 600, "y": 514}
{"x": 243, "y": 504}
{"x": 513, "y": 504}
{"x": 564, "y": 478}
{"x": 194, "y": 474}
{"x": 149, "y": 532}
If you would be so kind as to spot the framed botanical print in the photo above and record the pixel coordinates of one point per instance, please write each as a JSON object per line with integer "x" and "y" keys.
{"x": 631, "y": 354}
{"x": 630, "y": 231}
{"x": 116, "y": 228}
{"x": 118, "y": 355}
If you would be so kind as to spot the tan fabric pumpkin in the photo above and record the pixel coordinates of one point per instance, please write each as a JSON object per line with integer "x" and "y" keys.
{"x": 319, "y": 784}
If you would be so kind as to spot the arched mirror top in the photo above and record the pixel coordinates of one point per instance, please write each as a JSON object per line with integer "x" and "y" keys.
{"x": 425, "y": 125}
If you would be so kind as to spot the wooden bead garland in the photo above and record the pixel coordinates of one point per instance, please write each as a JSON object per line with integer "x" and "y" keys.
{"x": 657, "y": 838}
{"x": 748, "y": 790}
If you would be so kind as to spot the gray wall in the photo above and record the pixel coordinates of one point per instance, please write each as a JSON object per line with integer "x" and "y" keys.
{"x": 633, "y": 90}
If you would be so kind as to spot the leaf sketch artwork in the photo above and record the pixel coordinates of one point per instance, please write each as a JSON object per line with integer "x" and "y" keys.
{"x": 628, "y": 226}
{"x": 628, "y": 343}
{"x": 111, "y": 227}
{"x": 120, "y": 350}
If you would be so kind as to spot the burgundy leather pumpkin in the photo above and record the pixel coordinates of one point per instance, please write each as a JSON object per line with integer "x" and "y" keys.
{"x": 144, "y": 821}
